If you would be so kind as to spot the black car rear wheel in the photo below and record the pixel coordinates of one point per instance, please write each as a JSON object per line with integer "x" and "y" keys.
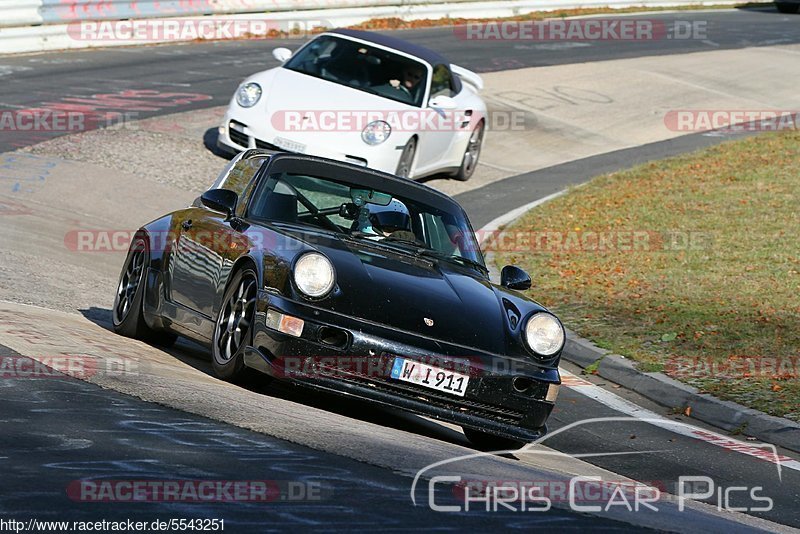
{"x": 788, "y": 7}
{"x": 233, "y": 326}
{"x": 127, "y": 315}
{"x": 488, "y": 442}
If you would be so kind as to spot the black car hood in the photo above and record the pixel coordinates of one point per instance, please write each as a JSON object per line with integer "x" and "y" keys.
{"x": 426, "y": 296}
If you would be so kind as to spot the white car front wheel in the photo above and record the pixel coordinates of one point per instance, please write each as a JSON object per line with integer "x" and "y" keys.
{"x": 406, "y": 161}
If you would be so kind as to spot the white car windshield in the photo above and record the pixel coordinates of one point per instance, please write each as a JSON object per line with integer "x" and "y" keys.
{"x": 363, "y": 67}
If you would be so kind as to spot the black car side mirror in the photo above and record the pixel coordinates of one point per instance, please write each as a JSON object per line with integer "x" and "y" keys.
{"x": 513, "y": 277}
{"x": 222, "y": 200}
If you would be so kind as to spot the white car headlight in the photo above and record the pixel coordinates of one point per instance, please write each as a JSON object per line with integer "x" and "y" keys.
{"x": 544, "y": 334}
{"x": 248, "y": 95}
{"x": 376, "y": 132}
{"x": 313, "y": 274}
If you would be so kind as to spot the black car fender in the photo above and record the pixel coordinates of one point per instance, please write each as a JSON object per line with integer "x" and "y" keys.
{"x": 517, "y": 310}
{"x": 155, "y": 235}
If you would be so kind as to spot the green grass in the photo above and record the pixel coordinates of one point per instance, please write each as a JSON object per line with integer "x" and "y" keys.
{"x": 732, "y": 299}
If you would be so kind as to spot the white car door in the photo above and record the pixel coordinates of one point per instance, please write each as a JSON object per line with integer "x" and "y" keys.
{"x": 435, "y": 143}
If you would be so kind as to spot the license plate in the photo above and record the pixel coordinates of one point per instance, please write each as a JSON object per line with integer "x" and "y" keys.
{"x": 288, "y": 144}
{"x": 429, "y": 376}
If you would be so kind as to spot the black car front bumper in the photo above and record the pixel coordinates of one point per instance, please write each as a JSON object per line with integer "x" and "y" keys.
{"x": 343, "y": 355}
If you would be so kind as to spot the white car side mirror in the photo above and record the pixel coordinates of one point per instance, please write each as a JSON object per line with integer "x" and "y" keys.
{"x": 442, "y": 103}
{"x": 281, "y": 54}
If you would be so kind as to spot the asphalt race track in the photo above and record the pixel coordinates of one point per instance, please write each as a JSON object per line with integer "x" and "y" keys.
{"x": 58, "y": 431}
{"x": 212, "y": 70}
{"x": 148, "y": 442}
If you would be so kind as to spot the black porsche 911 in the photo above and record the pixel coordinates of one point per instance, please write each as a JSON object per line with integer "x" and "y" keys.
{"x": 351, "y": 281}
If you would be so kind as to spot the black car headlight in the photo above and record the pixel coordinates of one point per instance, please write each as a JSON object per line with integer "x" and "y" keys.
{"x": 544, "y": 334}
{"x": 314, "y": 274}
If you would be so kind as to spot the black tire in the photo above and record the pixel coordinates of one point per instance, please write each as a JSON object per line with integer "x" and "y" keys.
{"x": 406, "y": 163}
{"x": 471, "y": 154}
{"x": 787, "y": 7}
{"x": 127, "y": 314}
{"x": 489, "y": 442}
{"x": 233, "y": 327}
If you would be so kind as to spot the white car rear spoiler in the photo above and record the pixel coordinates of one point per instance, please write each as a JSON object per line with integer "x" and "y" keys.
{"x": 468, "y": 76}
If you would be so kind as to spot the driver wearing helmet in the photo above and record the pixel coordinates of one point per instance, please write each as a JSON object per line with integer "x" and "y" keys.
{"x": 392, "y": 220}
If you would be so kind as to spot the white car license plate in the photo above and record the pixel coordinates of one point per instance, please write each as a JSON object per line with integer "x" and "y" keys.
{"x": 288, "y": 144}
{"x": 429, "y": 376}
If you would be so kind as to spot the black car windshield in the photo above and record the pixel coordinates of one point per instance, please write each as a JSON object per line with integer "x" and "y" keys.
{"x": 362, "y": 67}
{"x": 368, "y": 215}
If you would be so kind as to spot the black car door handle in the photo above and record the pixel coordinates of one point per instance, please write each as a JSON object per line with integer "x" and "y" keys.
{"x": 186, "y": 224}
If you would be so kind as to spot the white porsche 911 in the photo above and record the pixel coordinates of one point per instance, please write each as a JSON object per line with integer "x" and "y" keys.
{"x": 363, "y": 98}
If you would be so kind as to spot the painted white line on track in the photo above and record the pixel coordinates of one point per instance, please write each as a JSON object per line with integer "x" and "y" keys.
{"x": 497, "y": 223}
{"x": 615, "y": 402}
{"x": 499, "y": 167}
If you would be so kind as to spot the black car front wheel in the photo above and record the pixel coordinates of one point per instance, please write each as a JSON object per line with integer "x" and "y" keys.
{"x": 233, "y": 325}
{"x": 489, "y": 442}
{"x": 788, "y": 7}
{"x": 127, "y": 315}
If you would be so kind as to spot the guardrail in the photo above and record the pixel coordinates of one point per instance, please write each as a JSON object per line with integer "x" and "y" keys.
{"x": 41, "y": 25}
{"x": 20, "y": 12}
{"x": 34, "y": 12}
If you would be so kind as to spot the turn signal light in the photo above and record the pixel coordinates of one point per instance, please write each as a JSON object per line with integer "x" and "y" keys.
{"x": 285, "y": 323}
{"x": 552, "y": 392}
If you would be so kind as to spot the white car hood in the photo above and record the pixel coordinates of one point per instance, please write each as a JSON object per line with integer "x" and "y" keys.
{"x": 301, "y": 113}
{"x": 290, "y": 90}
